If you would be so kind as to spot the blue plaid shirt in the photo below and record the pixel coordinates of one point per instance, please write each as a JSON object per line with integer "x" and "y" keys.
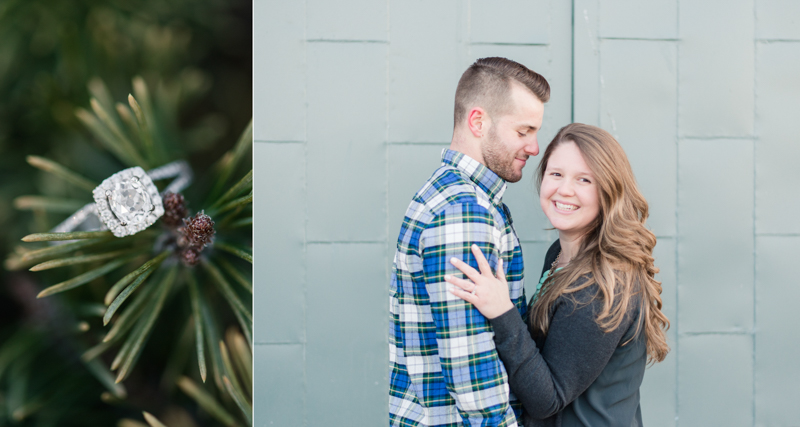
{"x": 445, "y": 370}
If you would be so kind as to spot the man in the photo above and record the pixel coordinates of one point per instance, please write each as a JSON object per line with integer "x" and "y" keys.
{"x": 445, "y": 370}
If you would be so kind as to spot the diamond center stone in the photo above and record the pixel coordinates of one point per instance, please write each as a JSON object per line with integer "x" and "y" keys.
{"x": 129, "y": 201}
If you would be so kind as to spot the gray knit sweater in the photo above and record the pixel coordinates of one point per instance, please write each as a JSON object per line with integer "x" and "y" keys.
{"x": 577, "y": 375}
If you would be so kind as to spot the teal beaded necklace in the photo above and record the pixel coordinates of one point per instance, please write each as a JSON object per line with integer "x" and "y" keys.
{"x": 540, "y": 288}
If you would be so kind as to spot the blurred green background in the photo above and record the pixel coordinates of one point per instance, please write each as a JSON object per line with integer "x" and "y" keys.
{"x": 195, "y": 56}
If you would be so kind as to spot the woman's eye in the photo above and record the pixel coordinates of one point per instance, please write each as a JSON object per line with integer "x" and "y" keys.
{"x": 586, "y": 180}
{"x": 555, "y": 174}
{"x": 521, "y": 134}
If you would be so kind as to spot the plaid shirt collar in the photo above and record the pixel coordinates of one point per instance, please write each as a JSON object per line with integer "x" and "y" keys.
{"x": 487, "y": 180}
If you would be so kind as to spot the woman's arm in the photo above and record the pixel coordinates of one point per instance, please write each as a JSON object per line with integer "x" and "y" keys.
{"x": 574, "y": 354}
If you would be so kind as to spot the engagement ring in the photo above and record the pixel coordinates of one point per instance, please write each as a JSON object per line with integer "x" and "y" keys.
{"x": 128, "y": 201}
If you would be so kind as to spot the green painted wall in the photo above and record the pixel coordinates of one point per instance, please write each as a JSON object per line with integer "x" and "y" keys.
{"x": 353, "y": 103}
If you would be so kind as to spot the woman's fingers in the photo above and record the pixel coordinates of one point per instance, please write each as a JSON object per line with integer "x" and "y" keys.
{"x": 482, "y": 263}
{"x": 501, "y": 273}
{"x": 465, "y": 268}
{"x": 466, "y": 296}
{"x": 461, "y": 283}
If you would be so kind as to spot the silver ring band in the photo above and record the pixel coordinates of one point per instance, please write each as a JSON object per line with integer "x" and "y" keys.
{"x": 128, "y": 201}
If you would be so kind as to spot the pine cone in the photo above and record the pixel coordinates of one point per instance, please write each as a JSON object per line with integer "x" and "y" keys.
{"x": 198, "y": 231}
{"x": 174, "y": 209}
{"x": 190, "y": 256}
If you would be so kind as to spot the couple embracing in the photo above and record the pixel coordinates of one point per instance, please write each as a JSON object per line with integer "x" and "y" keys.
{"x": 466, "y": 346}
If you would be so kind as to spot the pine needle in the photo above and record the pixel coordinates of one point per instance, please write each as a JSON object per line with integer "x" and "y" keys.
{"x": 84, "y": 278}
{"x": 245, "y": 183}
{"x": 101, "y": 372}
{"x": 237, "y": 276}
{"x": 62, "y": 172}
{"x": 140, "y": 336}
{"x": 240, "y": 400}
{"x": 99, "y": 90}
{"x": 74, "y": 235}
{"x": 194, "y": 294}
{"x": 123, "y": 352}
{"x": 114, "y": 290}
{"x": 242, "y": 222}
{"x": 96, "y": 351}
{"x": 125, "y": 321}
{"x": 227, "y": 164}
{"x": 52, "y": 251}
{"x": 124, "y": 295}
{"x": 104, "y": 136}
{"x": 126, "y": 114}
{"x": 48, "y": 204}
{"x": 227, "y": 291}
{"x": 206, "y": 401}
{"x": 125, "y": 144}
{"x": 229, "y": 371}
{"x": 82, "y": 259}
{"x": 144, "y": 131}
{"x": 241, "y": 253}
{"x": 212, "y": 336}
{"x": 241, "y": 201}
{"x": 153, "y": 421}
{"x": 241, "y": 356}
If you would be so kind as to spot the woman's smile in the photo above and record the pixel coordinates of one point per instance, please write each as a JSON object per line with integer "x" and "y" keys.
{"x": 568, "y": 194}
{"x": 565, "y": 207}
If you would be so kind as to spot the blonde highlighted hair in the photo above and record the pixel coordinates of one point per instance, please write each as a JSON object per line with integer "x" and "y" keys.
{"x": 616, "y": 252}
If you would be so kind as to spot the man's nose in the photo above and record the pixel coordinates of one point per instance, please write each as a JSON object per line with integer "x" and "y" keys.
{"x": 532, "y": 149}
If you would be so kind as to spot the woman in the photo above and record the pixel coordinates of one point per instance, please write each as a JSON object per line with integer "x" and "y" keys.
{"x": 595, "y": 318}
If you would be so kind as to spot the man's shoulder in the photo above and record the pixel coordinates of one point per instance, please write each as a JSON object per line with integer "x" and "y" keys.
{"x": 446, "y": 187}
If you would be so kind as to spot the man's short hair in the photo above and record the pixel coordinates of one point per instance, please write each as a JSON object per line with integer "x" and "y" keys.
{"x": 487, "y": 83}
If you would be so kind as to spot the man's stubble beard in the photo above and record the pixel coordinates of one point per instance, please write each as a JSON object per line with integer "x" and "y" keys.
{"x": 497, "y": 159}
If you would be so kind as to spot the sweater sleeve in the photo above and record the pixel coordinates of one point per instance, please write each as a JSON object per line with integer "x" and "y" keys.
{"x": 576, "y": 351}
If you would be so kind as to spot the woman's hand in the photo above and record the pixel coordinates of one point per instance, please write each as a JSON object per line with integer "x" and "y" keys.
{"x": 489, "y": 294}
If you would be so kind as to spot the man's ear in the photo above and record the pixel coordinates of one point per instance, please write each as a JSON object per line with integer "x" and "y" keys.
{"x": 478, "y": 121}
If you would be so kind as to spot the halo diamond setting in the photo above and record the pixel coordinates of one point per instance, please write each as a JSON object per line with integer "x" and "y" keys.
{"x": 128, "y": 202}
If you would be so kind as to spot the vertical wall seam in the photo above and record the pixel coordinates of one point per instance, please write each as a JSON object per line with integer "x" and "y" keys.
{"x": 304, "y": 387}
{"x": 599, "y": 61}
{"x": 755, "y": 158}
{"x": 677, "y": 208}
{"x": 572, "y": 68}
{"x": 469, "y": 30}
{"x": 385, "y": 320}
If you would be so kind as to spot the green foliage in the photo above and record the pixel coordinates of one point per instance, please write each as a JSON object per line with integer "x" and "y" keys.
{"x": 166, "y": 81}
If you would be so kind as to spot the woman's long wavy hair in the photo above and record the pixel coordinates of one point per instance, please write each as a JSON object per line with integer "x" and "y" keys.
{"x": 617, "y": 250}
